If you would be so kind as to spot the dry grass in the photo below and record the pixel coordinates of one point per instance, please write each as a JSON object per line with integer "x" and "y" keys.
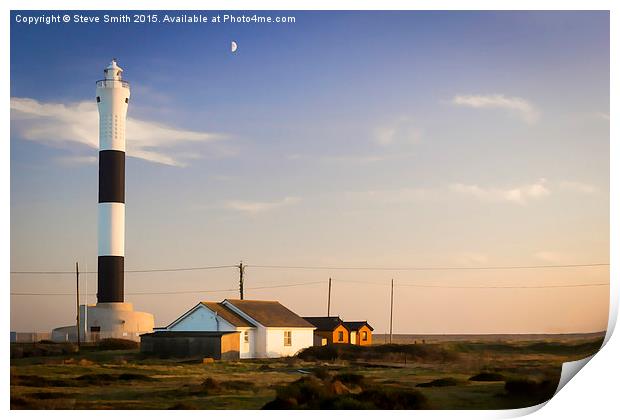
{"x": 124, "y": 379}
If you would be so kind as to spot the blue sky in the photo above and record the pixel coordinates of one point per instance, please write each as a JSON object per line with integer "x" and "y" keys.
{"x": 346, "y": 138}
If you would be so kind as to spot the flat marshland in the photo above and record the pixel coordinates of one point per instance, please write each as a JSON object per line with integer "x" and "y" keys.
{"x": 474, "y": 373}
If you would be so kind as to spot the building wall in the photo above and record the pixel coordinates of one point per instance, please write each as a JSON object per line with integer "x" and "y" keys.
{"x": 336, "y": 335}
{"x": 247, "y": 350}
{"x": 115, "y": 320}
{"x": 301, "y": 338}
{"x": 360, "y": 336}
{"x": 322, "y": 338}
{"x": 225, "y": 347}
{"x": 202, "y": 319}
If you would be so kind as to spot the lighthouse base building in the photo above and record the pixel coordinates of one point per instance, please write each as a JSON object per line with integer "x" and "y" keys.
{"x": 107, "y": 320}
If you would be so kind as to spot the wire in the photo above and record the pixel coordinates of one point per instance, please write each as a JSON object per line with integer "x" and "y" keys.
{"x": 474, "y": 287}
{"x": 155, "y": 270}
{"x": 555, "y": 286}
{"x": 508, "y": 267}
{"x": 175, "y": 292}
{"x": 300, "y": 267}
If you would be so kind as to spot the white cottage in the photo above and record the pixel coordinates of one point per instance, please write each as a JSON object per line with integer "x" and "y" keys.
{"x": 267, "y": 328}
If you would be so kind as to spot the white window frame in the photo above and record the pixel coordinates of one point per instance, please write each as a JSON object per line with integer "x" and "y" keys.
{"x": 288, "y": 338}
{"x": 246, "y": 336}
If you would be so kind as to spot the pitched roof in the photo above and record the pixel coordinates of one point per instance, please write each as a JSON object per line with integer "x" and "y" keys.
{"x": 269, "y": 313}
{"x": 356, "y": 325}
{"x": 325, "y": 323}
{"x": 188, "y": 333}
{"x": 228, "y": 314}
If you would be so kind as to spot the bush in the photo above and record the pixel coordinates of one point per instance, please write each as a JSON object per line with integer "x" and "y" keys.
{"x": 20, "y": 350}
{"x": 350, "y": 378}
{"x": 439, "y": 383}
{"x": 38, "y": 381}
{"x": 541, "y": 391}
{"x": 238, "y": 385}
{"x": 281, "y": 404}
{"x": 321, "y": 373}
{"x": 210, "y": 384}
{"x": 394, "y": 399}
{"x": 97, "y": 378}
{"x": 487, "y": 377}
{"x": 182, "y": 406}
{"x": 384, "y": 352}
{"x": 135, "y": 377}
{"x": 117, "y": 344}
{"x": 310, "y": 392}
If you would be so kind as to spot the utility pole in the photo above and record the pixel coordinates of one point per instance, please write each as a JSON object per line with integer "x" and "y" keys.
{"x": 329, "y": 295}
{"x": 391, "y": 309}
{"x": 241, "y": 270}
{"x": 77, "y": 300}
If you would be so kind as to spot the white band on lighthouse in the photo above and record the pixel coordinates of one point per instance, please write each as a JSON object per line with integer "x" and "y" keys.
{"x": 111, "y": 229}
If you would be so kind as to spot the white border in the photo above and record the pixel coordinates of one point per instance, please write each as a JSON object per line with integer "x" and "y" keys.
{"x": 593, "y": 395}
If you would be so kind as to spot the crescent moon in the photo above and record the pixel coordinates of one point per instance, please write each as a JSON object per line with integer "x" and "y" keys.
{"x": 233, "y": 46}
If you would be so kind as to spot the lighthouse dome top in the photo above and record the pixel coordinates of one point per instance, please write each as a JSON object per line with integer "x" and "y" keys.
{"x": 113, "y": 71}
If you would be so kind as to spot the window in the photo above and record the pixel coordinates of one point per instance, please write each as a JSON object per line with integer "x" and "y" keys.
{"x": 340, "y": 336}
{"x": 288, "y": 338}
{"x": 246, "y": 336}
{"x": 364, "y": 335}
{"x": 126, "y": 100}
{"x": 98, "y": 99}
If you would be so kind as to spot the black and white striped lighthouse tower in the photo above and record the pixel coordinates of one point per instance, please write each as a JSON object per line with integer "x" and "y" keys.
{"x": 111, "y": 317}
{"x": 112, "y": 102}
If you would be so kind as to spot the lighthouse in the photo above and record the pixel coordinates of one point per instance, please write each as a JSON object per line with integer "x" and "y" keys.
{"x": 112, "y": 102}
{"x": 111, "y": 317}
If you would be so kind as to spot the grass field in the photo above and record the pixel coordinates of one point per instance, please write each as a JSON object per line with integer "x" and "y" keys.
{"x": 439, "y": 375}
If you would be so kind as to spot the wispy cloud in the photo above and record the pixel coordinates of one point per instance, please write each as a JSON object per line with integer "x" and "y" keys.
{"x": 254, "y": 207}
{"x": 549, "y": 256}
{"x": 579, "y": 187}
{"x": 472, "y": 258}
{"x": 64, "y": 125}
{"x": 74, "y": 160}
{"x": 392, "y": 196}
{"x": 354, "y": 158}
{"x": 519, "y": 194}
{"x": 528, "y": 112}
{"x": 399, "y": 131}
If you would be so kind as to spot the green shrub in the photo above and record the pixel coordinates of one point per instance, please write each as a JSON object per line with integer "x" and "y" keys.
{"x": 348, "y": 378}
{"x": 117, "y": 344}
{"x": 321, "y": 373}
{"x": 401, "y": 353}
{"x": 439, "y": 383}
{"x": 541, "y": 391}
{"x": 394, "y": 399}
{"x": 210, "y": 386}
{"x": 487, "y": 377}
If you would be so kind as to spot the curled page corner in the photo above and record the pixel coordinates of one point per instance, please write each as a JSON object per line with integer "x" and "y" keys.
{"x": 570, "y": 369}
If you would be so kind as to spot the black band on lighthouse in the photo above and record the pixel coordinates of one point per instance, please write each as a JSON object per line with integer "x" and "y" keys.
{"x": 111, "y": 270}
{"x": 111, "y": 176}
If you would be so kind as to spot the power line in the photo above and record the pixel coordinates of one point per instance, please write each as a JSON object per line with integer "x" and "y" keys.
{"x": 554, "y": 286}
{"x": 431, "y": 268}
{"x": 175, "y": 292}
{"x": 300, "y": 267}
{"x": 154, "y": 270}
{"x": 474, "y": 286}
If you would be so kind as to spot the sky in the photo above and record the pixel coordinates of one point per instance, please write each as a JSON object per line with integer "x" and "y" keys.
{"x": 344, "y": 139}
